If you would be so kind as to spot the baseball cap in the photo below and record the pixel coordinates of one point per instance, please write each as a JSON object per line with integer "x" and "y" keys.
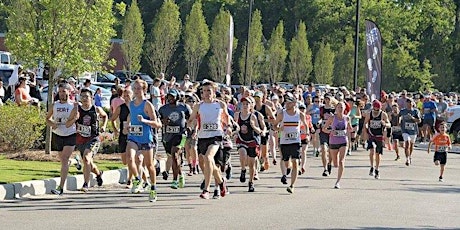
{"x": 377, "y": 104}
{"x": 289, "y": 97}
{"x": 275, "y": 97}
{"x": 174, "y": 93}
{"x": 258, "y": 94}
{"x": 71, "y": 79}
{"x": 248, "y": 99}
{"x": 301, "y": 105}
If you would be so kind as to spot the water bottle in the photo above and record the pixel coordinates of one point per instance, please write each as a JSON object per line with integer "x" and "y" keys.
{"x": 77, "y": 159}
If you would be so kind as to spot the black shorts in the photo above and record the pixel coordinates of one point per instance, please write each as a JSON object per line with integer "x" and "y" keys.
{"x": 122, "y": 142}
{"x": 144, "y": 146}
{"x": 388, "y": 132}
{"x": 430, "y": 122}
{"x": 304, "y": 142}
{"x": 323, "y": 138}
{"x": 397, "y": 136}
{"x": 290, "y": 151}
{"x": 360, "y": 127}
{"x": 61, "y": 141}
{"x": 222, "y": 156}
{"x": 92, "y": 145}
{"x": 263, "y": 140}
{"x": 337, "y": 146}
{"x": 441, "y": 157}
{"x": 204, "y": 143}
{"x": 317, "y": 129}
{"x": 378, "y": 145}
{"x": 251, "y": 151}
{"x": 173, "y": 142}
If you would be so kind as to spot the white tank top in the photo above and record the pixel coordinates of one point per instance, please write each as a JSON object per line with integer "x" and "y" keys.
{"x": 210, "y": 120}
{"x": 61, "y": 113}
{"x": 290, "y": 133}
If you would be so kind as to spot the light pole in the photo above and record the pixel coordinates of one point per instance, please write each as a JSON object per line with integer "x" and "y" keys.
{"x": 355, "y": 69}
{"x": 247, "y": 42}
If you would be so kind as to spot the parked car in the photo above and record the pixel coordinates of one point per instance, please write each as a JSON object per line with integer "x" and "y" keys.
{"x": 105, "y": 77}
{"x": 106, "y": 94}
{"x": 123, "y": 75}
{"x": 453, "y": 121}
{"x": 107, "y": 85}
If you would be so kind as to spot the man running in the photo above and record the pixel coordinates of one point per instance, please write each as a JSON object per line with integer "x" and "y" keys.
{"x": 87, "y": 117}
{"x": 268, "y": 115}
{"x": 212, "y": 115}
{"x": 63, "y": 131}
{"x": 327, "y": 110}
{"x": 141, "y": 120}
{"x": 174, "y": 116}
{"x": 410, "y": 118}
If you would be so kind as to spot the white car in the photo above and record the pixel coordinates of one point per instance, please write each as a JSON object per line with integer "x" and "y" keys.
{"x": 106, "y": 94}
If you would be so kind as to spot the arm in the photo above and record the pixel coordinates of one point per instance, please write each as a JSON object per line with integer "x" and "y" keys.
{"x": 278, "y": 120}
{"x": 114, "y": 117}
{"x": 255, "y": 125}
{"x": 261, "y": 122}
{"x": 303, "y": 119}
{"x": 104, "y": 117}
{"x": 49, "y": 120}
{"x": 385, "y": 120}
{"x": 358, "y": 114}
{"x": 74, "y": 115}
{"x": 149, "y": 110}
{"x": 327, "y": 125}
{"x": 191, "y": 123}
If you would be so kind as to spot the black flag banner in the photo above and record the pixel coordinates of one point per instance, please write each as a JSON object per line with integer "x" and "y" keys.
{"x": 373, "y": 60}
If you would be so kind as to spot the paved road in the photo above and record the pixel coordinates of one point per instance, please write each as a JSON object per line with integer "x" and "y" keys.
{"x": 404, "y": 197}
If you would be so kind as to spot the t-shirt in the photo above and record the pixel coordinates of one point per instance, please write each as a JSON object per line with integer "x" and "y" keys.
{"x": 441, "y": 142}
{"x": 407, "y": 124}
{"x": 429, "y": 108}
{"x": 177, "y": 116}
{"x": 116, "y": 102}
{"x": 156, "y": 100}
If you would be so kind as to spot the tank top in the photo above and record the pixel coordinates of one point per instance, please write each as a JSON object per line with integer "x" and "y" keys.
{"x": 375, "y": 125}
{"x": 61, "y": 113}
{"x": 124, "y": 112}
{"x": 291, "y": 128}
{"x": 315, "y": 114}
{"x": 353, "y": 112}
{"x": 139, "y": 132}
{"x": 210, "y": 120}
{"x": 87, "y": 125}
{"x": 394, "y": 121}
{"x": 325, "y": 114}
{"x": 246, "y": 132}
{"x": 338, "y": 133}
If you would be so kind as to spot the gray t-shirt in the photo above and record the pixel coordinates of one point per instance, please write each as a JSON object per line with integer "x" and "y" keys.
{"x": 407, "y": 124}
{"x": 442, "y": 107}
{"x": 177, "y": 116}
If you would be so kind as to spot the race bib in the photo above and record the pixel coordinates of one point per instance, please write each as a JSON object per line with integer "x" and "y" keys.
{"x": 375, "y": 124}
{"x": 316, "y": 116}
{"x": 427, "y": 110}
{"x": 61, "y": 120}
{"x": 396, "y": 129}
{"x": 136, "y": 130}
{"x": 409, "y": 126}
{"x": 340, "y": 133}
{"x": 84, "y": 130}
{"x": 292, "y": 136}
{"x": 210, "y": 127}
{"x": 442, "y": 148}
{"x": 172, "y": 129}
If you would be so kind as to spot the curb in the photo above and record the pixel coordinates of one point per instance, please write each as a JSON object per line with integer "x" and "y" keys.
{"x": 40, "y": 187}
{"x": 424, "y": 146}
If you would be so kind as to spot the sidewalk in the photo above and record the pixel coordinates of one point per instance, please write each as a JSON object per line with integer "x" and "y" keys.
{"x": 39, "y": 187}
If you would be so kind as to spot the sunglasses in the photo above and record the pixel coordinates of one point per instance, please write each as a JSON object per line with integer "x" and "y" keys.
{"x": 316, "y": 101}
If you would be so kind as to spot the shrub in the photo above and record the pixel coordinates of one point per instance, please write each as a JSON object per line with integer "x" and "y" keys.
{"x": 20, "y": 126}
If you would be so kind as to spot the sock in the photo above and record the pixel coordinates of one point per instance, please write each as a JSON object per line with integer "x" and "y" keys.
{"x": 153, "y": 187}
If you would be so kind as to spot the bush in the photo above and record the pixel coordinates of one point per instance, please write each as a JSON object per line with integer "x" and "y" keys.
{"x": 20, "y": 126}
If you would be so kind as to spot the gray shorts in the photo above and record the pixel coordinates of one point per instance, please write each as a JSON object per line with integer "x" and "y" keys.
{"x": 92, "y": 145}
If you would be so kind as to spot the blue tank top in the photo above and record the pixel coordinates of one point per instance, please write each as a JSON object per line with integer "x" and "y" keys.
{"x": 139, "y": 132}
{"x": 315, "y": 114}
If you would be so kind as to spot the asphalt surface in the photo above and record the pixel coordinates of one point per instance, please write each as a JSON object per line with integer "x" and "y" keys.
{"x": 404, "y": 197}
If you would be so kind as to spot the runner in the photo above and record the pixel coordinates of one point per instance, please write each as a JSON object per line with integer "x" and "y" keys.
{"x": 212, "y": 115}
{"x": 288, "y": 121}
{"x": 355, "y": 116}
{"x": 141, "y": 120}
{"x": 315, "y": 112}
{"x": 338, "y": 127}
{"x": 63, "y": 131}
{"x": 410, "y": 117}
{"x": 190, "y": 143}
{"x": 396, "y": 132}
{"x": 174, "y": 116}
{"x": 86, "y": 117}
{"x": 262, "y": 106}
{"x": 442, "y": 144}
{"x": 327, "y": 110}
{"x": 429, "y": 118}
{"x": 304, "y": 138}
{"x": 248, "y": 146}
{"x": 374, "y": 124}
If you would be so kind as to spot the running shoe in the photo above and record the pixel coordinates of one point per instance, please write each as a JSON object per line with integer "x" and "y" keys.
{"x": 325, "y": 172}
{"x": 290, "y": 189}
{"x": 99, "y": 178}
{"x": 243, "y": 176}
{"x": 228, "y": 173}
{"x": 251, "y": 187}
{"x": 266, "y": 165}
{"x": 204, "y": 195}
{"x": 329, "y": 168}
{"x": 165, "y": 175}
{"x": 57, "y": 191}
{"x": 256, "y": 177}
{"x": 146, "y": 185}
{"x": 441, "y": 179}
{"x": 153, "y": 195}
{"x": 202, "y": 185}
{"x": 223, "y": 188}
{"x": 317, "y": 153}
{"x": 174, "y": 184}
{"x": 181, "y": 181}
{"x": 288, "y": 171}
{"x": 302, "y": 170}
{"x": 284, "y": 179}
{"x": 371, "y": 171}
{"x": 274, "y": 162}
{"x": 337, "y": 185}
{"x": 128, "y": 184}
{"x": 136, "y": 186}
{"x": 84, "y": 188}
{"x": 216, "y": 195}
{"x": 397, "y": 158}
{"x": 377, "y": 175}
{"x": 348, "y": 152}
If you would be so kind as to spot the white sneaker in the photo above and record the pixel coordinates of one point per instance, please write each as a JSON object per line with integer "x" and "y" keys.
{"x": 337, "y": 185}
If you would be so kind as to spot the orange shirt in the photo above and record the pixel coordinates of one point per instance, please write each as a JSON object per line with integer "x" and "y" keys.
{"x": 21, "y": 93}
{"x": 441, "y": 142}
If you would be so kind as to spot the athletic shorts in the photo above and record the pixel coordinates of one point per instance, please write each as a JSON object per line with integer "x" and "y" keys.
{"x": 190, "y": 141}
{"x": 290, "y": 151}
{"x": 263, "y": 140}
{"x": 92, "y": 145}
{"x": 377, "y": 144}
{"x": 388, "y": 132}
{"x": 397, "y": 136}
{"x": 428, "y": 121}
{"x": 122, "y": 142}
{"x": 360, "y": 127}
{"x": 176, "y": 141}
{"x": 304, "y": 142}
{"x": 61, "y": 141}
{"x": 251, "y": 151}
{"x": 144, "y": 146}
{"x": 222, "y": 156}
{"x": 409, "y": 138}
{"x": 316, "y": 127}
{"x": 323, "y": 138}
{"x": 441, "y": 157}
{"x": 204, "y": 143}
{"x": 337, "y": 146}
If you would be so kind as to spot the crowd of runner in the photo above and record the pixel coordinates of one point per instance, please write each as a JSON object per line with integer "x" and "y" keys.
{"x": 200, "y": 123}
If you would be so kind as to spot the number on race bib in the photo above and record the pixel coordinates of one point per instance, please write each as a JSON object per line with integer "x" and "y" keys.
{"x": 172, "y": 129}
{"x": 210, "y": 127}
{"x": 61, "y": 120}
{"x": 374, "y": 124}
{"x": 136, "y": 130}
{"x": 409, "y": 126}
{"x": 292, "y": 136}
{"x": 396, "y": 129}
{"x": 340, "y": 133}
{"x": 84, "y": 130}
{"x": 442, "y": 148}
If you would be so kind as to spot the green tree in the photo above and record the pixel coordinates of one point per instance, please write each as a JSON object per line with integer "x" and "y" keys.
{"x": 164, "y": 37}
{"x": 344, "y": 63}
{"x": 133, "y": 38}
{"x": 324, "y": 64}
{"x": 196, "y": 39}
{"x": 300, "y": 55}
{"x": 219, "y": 39}
{"x": 255, "y": 51}
{"x": 277, "y": 54}
{"x": 70, "y": 36}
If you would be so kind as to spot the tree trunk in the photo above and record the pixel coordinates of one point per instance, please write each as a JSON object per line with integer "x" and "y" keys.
{"x": 49, "y": 106}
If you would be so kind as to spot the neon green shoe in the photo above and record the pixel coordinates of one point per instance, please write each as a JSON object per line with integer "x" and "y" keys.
{"x": 153, "y": 195}
{"x": 181, "y": 181}
{"x": 174, "y": 184}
